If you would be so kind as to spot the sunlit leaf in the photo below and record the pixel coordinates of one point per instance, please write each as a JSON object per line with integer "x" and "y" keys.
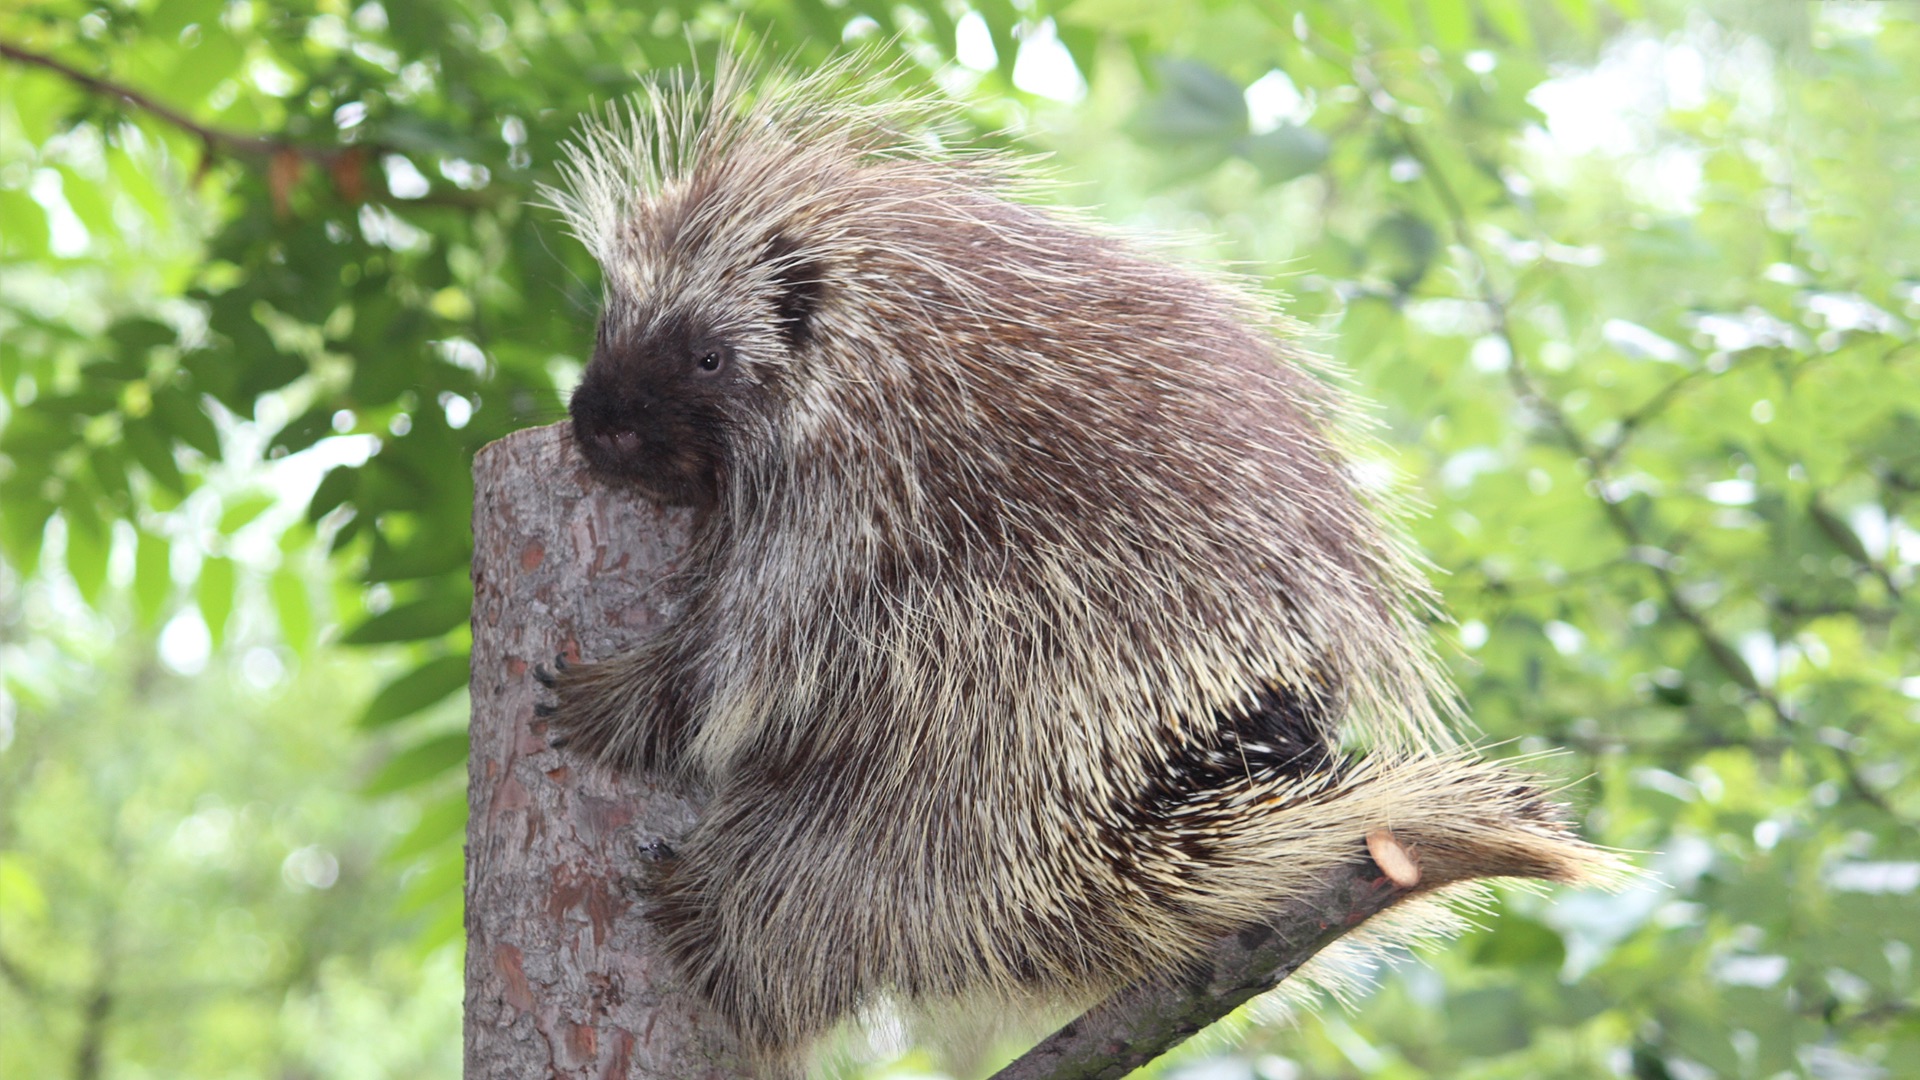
{"x": 152, "y": 576}
{"x": 243, "y": 509}
{"x": 21, "y": 896}
{"x": 214, "y": 591}
{"x": 292, "y": 605}
{"x": 26, "y": 235}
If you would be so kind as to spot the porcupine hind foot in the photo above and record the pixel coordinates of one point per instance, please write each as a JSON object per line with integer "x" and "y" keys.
{"x": 776, "y": 1021}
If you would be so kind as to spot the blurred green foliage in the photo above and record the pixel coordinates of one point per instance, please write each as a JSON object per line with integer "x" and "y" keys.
{"x": 1634, "y": 284}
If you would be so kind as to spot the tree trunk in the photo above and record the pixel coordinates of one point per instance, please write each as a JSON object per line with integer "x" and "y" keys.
{"x": 564, "y": 979}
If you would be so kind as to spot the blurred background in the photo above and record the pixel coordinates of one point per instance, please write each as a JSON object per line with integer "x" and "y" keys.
{"x": 1633, "y": 283}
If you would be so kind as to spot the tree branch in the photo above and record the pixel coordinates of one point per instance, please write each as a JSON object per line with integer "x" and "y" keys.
{"x": 1145, "y": 1020}
{"x": 284, "y": 159}
{"x": 232, "y": 142}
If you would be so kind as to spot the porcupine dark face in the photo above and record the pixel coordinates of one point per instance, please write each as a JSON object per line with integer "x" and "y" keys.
{"x": 652, "y": 409}
{"x": 667, "y": 394}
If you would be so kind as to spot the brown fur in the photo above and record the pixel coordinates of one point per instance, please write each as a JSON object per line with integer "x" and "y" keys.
{"x": 1032, "y": 618}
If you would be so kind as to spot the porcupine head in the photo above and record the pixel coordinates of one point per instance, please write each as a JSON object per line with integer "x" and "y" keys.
{"x": 1034, "y": 631}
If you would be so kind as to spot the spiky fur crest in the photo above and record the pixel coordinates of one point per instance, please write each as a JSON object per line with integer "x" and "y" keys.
{"x": 1035, "y": 605}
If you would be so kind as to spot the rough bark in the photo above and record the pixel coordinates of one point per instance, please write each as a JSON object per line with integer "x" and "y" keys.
{"x": 564, "y": 978}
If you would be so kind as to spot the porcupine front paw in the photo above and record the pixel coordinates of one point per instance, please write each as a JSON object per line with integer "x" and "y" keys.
{"x": 575, "y": 716}
{"x": 601, "y": 711}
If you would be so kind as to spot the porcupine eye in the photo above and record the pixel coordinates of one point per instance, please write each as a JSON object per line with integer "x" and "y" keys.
{"x": 711, "y": 361}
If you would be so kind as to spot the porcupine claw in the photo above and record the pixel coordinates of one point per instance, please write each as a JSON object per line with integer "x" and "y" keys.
{"x": 547, "y": 677}
{"x": 546, "y": 710}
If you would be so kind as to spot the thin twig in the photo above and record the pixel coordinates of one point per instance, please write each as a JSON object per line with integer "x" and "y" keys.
{"x": 342, "y": 163}
{"x": 232, "y": 142}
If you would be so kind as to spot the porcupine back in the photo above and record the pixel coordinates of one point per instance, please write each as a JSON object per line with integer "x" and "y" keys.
{"x": 1027, "y": 639}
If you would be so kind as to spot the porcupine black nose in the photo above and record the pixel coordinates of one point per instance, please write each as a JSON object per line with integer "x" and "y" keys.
{"x": 621, "y": 442}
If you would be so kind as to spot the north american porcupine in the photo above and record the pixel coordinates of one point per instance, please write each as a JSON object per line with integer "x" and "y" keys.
{"x": 1032, "y": 616}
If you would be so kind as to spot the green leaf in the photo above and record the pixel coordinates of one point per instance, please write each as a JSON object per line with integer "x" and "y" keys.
{"x": 88, "y": 203}
{"x": 428, "y": 617}
{"x": 448, "y": 925}
{"x": 428, "y": 553}
{"x": 439, "y": 883}
{"x": 197, "y": 70}
{"x": 244, "y": 509}
{"x": 442, "y": 820}
{"x": 27, "y": 233}
{"x": 417, "y": 689}
{"x": 214, "y": 593}
{"x": 1196, "y": 104}
{"x": 23, "y": 524}
{"x": 1580, "y": 12}
{"x": 88, "y": 543}
{"x": 292, "y": 606}
{"x": 1157, "y": 19}
{"x": 22, "y": 900}
{"x": 389, "y": 347}
{"x": 335, "y": 488}
{"x": 137, "y": 337}
{"x": 1489, "y": 1021}
{"x": 1401, "y": 248}
{"x": 1452, "y": 22}
{"x": 436, "y": 756}
{"x": 422, "y": 135}
{"x": 152, "y": 576}
{"x": 304, "y": 430}
{"x": 1398, "y": 14}
{"x": 34, "y": 436}
{"x": 249, "y": 364}
{"x": 173, "y": 16}
{"x": 183, "y": 417}
{"x": 1286, "y": 152}
{"x": 1509, "y": 17}
{"x": 153, "y": 449}
{"x": 1517, "y": 941}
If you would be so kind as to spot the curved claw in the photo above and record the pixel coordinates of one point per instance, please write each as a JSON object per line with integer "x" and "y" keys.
{"x": 544, "y": 677}
{"x": 558, "y": 742}
{"x": 544, "y": 709}
{"x": 560, "y": 662}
